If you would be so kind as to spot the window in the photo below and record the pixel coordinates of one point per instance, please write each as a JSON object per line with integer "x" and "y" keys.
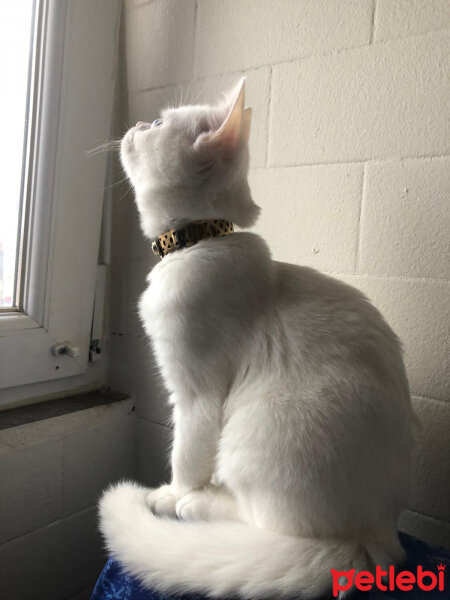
{"x": 16, "y": 39}
{"x": 58, "y": 107}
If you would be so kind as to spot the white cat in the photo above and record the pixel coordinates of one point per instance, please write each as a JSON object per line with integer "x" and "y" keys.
{"x": 291, "y": 406}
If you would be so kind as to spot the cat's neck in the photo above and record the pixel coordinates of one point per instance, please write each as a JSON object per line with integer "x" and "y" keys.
{"x": 164, "y": 209}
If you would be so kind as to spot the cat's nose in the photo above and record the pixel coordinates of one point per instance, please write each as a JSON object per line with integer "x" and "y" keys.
{"x": 142, "y": 125}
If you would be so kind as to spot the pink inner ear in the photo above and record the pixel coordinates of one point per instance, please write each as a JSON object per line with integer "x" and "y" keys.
{"x": 231, "y": 130}
{"x": 235, "y": 128}
{"x": 246, "y": 124}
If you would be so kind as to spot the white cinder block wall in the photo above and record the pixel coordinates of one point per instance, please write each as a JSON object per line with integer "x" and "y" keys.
{"x": 52, "y": 472}
{"x": 350, "y": 162}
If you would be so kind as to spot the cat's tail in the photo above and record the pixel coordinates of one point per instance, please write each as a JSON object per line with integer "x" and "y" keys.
{"x": 219, "y": 558}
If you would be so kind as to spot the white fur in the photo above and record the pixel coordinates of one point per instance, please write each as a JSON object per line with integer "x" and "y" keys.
{"x": 291, "y": 404}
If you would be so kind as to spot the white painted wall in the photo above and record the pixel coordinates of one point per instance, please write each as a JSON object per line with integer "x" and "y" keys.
{"x": 350, "y": 161}
{"x": 51, "y": 475}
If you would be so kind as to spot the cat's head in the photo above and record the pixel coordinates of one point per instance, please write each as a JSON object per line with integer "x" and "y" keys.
{"x": 192, "y": 164}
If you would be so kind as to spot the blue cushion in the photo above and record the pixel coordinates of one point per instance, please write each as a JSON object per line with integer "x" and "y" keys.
{"x": 115, "y": 584}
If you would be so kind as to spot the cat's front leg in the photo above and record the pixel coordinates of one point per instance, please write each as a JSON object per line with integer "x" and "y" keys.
{"x": 161, "y": 501}
{"x": 196, "y": 432}
{"x": 211, "y": 503}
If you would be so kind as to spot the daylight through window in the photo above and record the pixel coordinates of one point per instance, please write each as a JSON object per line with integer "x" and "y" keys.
{"x": 16, "y": 19}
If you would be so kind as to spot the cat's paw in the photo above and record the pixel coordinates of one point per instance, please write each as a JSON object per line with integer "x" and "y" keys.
{"x": 194, "y": 506}
{"x": 162, "y": 502}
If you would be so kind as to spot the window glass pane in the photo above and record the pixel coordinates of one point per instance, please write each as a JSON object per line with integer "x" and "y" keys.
{"x": 16, "y": 18}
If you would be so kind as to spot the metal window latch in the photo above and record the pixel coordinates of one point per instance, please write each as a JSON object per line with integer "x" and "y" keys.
{"x": 95, "y": 351}
{"x": 65, "y": 348}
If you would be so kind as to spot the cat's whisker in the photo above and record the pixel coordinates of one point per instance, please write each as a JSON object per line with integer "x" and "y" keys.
{"x": 173, "y": 98}
{"x": 181, "y": 96}
{"x": 104, "y": 147}
{"x": 115, "y": 183}
{"x": 130, "y": 187}
{"x": 188, "y": 91}
{"x": 184, "y": 95}
{"x": 195, "y": 100}
{"x": 90, "y": 153}
{"x": 175, "y": 95}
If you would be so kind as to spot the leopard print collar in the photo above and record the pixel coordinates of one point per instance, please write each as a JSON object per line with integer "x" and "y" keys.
{"x": 190, "y": 234}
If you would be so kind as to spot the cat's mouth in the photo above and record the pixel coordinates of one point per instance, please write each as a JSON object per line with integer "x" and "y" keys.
{"x": 128, "y": 141}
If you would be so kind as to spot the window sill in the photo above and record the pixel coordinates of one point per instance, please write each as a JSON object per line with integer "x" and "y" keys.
{"x": 15, "y": 417}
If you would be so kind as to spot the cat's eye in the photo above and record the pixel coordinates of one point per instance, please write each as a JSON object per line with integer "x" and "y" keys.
{"x": 157, "y": 123}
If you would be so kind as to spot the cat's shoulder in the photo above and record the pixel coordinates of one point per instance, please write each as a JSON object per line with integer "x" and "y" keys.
{"x": 306, "y": 281}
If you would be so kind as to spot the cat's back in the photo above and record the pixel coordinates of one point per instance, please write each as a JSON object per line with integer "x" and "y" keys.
{"x": 306, "y": 287}
{"x": 330, "y": 320}
{"x": 321, "y": 299}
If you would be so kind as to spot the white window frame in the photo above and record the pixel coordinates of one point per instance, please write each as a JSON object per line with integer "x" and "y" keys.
{"x": 74, "y": 108}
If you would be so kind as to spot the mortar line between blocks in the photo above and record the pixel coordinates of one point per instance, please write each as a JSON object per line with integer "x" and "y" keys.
{"x": 51, "y": 524}
{"x": 353, "y": 161}
{"x": 287, "y": 61}
{"x": 137, "y": 6}
{"x": 61, "y": 474}
{"x": 387, "y": 277}
{"x": 427, "y": 516}
{"x": 327, "y": 53}
{"x": 89, "y": 588}
{"x": 269, "y": 115}
{"x": 360, "y": 216}
{"x": 194, "y": 41}
{"x": 197, "y": 79}
{"x": 372, "y": 25}
{"x": 430, "y": 399}
{"x": 154, "y": 422}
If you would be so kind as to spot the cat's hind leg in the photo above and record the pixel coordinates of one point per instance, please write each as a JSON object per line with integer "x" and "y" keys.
{"x": 210, "y": 503}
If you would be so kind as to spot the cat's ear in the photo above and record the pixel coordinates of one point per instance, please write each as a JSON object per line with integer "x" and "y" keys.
{"x": 231, "y": 130}
{"x": 235, "y": 127}
{"x": 246, "y": 123}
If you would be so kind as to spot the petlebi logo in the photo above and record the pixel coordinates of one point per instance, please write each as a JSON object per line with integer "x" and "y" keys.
{"x": 388, "y": 580}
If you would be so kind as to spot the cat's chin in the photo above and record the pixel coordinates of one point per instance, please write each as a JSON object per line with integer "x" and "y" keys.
{"x": 163, "y": 209}
{"x": 126, "y": 147}
{"x": 249, "y": 218}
